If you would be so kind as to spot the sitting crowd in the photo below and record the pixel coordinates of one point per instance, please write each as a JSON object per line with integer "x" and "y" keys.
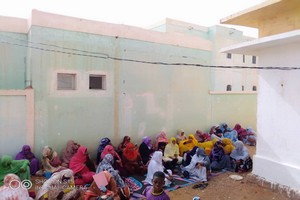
{"x": 195, "y": 155}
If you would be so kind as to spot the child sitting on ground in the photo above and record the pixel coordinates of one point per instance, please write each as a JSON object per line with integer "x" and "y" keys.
{"x": 156, "y": 192}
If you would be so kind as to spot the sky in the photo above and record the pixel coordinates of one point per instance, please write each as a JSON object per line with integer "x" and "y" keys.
{"x": 140, "y": 13}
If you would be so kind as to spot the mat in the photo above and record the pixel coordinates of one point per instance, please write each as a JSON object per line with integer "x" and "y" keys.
{"x": 137, "y": 184}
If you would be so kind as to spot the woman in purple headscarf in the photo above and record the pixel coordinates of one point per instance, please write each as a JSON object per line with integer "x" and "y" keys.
{"x": 28, "y": 155}
{"x": 146, "y": 149}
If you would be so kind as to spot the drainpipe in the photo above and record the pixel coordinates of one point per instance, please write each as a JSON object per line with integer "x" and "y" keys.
{"x": 27, "y": 62}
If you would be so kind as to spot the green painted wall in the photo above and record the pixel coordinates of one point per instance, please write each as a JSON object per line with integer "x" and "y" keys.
{"x": 82, "y": 115}
{"x": 13, "y": 53}
{"x": 140, "y": 98}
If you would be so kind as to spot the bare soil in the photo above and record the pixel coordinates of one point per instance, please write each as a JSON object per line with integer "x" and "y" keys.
{"x": 222, "y": 187}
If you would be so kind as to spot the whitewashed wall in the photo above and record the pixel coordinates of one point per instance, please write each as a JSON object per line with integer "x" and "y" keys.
{"x": 277, "y": 158}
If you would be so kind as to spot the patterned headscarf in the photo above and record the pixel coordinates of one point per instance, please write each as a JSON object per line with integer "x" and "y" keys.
{"x": 106, "y": 165}
{"x": 56, "y": 184}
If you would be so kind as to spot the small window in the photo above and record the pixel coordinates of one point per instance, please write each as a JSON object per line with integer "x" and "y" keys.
{"x": 254, "y": 88}
{"x": 97, "y": 82}
{"x": 228, "y": 88}
{"x": 253, "y": 59}
{"x": 66, "y": 81}
{"x": 244, "y": 59}
{"x": 229, "y": 55}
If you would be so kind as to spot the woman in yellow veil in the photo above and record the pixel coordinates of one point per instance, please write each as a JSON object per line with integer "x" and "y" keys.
{"x": 188, "y": 144}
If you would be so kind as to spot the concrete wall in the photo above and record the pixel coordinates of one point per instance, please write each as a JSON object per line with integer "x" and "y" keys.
{"x": 234, "y": 108}
{"x": 82, "y": 114}
{"x": 221, "y": 37}
{"x": 156, "y": 92}
{"x": 16, "y": 120}
{"x": 277, "y": 157}
{"x": 140, "y": 98}
{"x": 13, "y": 60}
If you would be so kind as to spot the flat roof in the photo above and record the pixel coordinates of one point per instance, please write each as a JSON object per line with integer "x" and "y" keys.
{"x": 252, "y": 47}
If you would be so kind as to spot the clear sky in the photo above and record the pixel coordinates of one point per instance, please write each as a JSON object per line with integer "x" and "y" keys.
{"x": 140, "y": 13}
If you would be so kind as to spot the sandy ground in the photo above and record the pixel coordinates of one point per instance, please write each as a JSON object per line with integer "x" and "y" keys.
{"x": 223, "y": 187}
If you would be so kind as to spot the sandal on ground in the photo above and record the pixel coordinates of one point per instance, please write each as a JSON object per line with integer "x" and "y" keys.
{"x": 200, "y": 185}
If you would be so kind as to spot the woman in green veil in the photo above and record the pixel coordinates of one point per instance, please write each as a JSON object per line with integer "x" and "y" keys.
{"x": 19, "y": 167}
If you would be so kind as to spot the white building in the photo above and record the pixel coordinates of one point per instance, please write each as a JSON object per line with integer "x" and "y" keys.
{"x": 277, "y": 160}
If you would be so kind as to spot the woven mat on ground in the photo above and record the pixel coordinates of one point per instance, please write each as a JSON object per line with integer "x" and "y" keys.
{"x": 137, "y": 184}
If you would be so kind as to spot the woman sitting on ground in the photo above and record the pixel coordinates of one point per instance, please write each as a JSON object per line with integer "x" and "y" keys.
{"x": 155, "y": 165}
{"x": 242, "y": 161}
{"x": 199, "y": 165}
{"x": 26, "y": 154}
{"x": 50, "y": 161}
{"x": 187, "y": 145}
{"x": 132, "y": 160}
{"x": 213, "y": 129}
{"x": 69, "y": 152}
{"x": 161, "y": 141}
{"x": 146, "y": 150}
{"x": 110, "y": 190}
{"x": 224, "y": 128}
{"x": 217, "y": 135}
{"x": 123, "y": 144}
{"x": 118, "y": 164}
{"x": 171, "y": 155}
{"x": 188, "y": 156}
{"x": 241, "y": 132}
{"x": 11, "y": 189}
{"x": 219, "y": 160}
{"x": 250, "y": 137}
{"x": 106, "y": 165}
{"x": 232, "y": 135}
{"x": 80, "y": 164}
{"x": 227, "y": 146}
{"x": 59, "y": 186}
{"x": 103, "y": 143}
{"x": 180, "y": 136}
{"x": 10, "y": 166}
{"x": 200, "y": 136}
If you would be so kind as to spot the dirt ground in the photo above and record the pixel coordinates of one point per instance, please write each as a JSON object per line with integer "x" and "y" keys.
{"x": 223, "y": 187}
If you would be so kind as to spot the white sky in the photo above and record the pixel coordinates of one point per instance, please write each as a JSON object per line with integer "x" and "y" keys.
{"x": 140, "y": 13}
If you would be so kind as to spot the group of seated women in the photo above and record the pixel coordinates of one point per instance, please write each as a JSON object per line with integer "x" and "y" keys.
{"x": 197, "y": 154}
